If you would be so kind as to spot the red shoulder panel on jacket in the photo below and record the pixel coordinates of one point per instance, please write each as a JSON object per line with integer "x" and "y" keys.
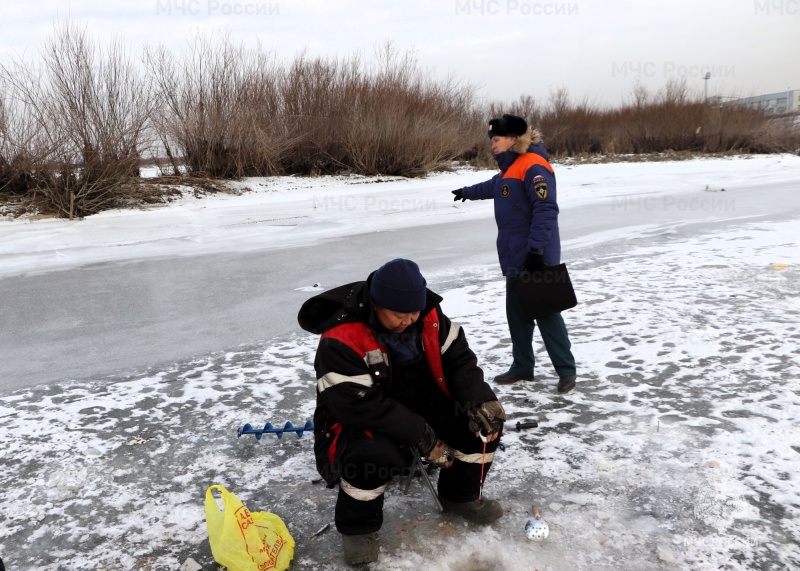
{"x": 523, "y": 163}
{"x": 355, "y": 335}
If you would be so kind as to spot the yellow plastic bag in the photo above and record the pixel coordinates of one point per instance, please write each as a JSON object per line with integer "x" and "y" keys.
{"x": 245, "y": 541}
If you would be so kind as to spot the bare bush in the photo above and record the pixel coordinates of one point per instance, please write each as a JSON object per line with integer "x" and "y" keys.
{"x": 28, "y": 139}
{"x": 76, "y": 128}
{"x": 73, "y": 129}
{"x": 671, "y": 121}
{"x": 233, "y": 112}
{"x": 217, "y": 108}
{"x": 404, "y": 123}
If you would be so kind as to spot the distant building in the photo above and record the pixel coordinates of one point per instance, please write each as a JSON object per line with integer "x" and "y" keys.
{"x": 772, "y": 103}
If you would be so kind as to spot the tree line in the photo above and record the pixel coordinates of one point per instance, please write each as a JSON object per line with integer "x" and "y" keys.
{"x": 77, "y": 125}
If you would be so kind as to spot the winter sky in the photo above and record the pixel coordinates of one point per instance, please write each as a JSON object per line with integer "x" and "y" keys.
{"x": 593, "y": 48}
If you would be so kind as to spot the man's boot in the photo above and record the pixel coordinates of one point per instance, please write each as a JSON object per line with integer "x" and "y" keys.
{"x": 483, "y": 511}
{"x": 566, "y": 384}
{"x": 508, "y": 378}
{"x": 360, "y": 548}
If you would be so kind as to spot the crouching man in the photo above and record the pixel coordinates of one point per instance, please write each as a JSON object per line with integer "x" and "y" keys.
{"x": 394, "y": 372}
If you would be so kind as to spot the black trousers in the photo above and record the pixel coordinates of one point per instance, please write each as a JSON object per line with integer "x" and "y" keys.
{"x": 370, "y": 460}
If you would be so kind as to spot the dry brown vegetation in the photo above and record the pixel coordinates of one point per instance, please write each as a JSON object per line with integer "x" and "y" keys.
{"x": 72, "y": 129}
{"x": 75, "y": 126}
{"x": 227, "y": 111}
{"x": 671, "y": 121}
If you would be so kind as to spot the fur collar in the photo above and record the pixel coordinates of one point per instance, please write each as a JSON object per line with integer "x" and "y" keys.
{"x": 531, "y": 137}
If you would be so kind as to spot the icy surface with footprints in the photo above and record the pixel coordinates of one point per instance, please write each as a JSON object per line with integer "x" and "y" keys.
{"x": 678, "y": 450}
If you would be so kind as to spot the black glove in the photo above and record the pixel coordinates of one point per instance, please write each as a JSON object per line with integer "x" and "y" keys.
{"x": 488, "y": 418}
{"x": 437, "y": 452}
{"x": 459, "y": 195}
{"x": 534, "y": 262}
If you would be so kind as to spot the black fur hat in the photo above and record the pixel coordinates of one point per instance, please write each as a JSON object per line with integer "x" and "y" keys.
{"x": 507, "y": 126}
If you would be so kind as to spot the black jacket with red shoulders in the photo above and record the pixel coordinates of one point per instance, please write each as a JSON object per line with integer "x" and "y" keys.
{"x": 354, "y": 376}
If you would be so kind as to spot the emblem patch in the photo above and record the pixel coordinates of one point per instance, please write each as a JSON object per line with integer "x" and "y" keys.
{"x": 504, "y": 191}
{"x": 540, "y": 189}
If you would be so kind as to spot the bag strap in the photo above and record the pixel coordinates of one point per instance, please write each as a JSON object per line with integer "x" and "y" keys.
{"x": 224, "y": 494}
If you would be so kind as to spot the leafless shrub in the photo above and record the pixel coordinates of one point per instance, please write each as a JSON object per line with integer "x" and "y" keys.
{"x": 27, "y": 137}
{"x": 233, "y": 112}
{"x": 73, "y": 129}
{"x": 401, "y": 122}
{"x": 78, "y": 125}
{"x": 217, "y": 108}
{"x": 671, "y": 121}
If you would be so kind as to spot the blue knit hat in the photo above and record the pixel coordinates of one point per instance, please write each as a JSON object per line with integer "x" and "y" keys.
{"x": 399, "y": 286}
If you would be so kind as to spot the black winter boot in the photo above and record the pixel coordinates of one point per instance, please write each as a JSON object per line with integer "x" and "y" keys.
{"x": 360, "y": 549}
{"x": 483, "y": 511}
{"x": 566, "y": 384}
{"x": 508, "y": 378}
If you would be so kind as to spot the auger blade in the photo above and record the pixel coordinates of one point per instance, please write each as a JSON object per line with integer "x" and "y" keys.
{"x": 269, "y": 429}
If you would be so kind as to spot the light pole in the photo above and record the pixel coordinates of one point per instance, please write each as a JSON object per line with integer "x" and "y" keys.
{"x": 706, "y": 77}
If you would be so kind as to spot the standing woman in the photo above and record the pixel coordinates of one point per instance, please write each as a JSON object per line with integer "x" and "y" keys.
{"x": 526, "y": 212}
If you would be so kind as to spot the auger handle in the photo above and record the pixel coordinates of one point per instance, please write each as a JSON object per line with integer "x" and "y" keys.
{"x": 525, "y": 425}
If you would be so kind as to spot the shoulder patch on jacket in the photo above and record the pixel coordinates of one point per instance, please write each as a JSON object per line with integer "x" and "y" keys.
{"x": 540, "y": 187}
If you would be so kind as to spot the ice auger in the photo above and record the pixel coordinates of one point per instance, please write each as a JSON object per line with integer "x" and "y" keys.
{"x": 277, "y": 431}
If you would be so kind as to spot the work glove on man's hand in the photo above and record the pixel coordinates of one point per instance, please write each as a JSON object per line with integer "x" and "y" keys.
{"x": 488, "y": 418}
{"x": 534, "y": 262}
{"x": 437, "y": 452}
{"x": 459, "y": 195}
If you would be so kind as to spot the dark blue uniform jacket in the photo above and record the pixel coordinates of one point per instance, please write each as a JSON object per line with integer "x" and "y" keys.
{"x": 525, "y": 207}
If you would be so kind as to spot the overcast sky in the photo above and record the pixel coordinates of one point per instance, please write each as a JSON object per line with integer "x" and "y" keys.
{"x": 596, "y": 49}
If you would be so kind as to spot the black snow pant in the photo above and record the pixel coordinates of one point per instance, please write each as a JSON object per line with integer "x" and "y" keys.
{"x": 370, "y": 460}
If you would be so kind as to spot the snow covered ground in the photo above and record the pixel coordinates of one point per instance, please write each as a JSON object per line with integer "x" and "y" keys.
{"x": 680, "y": 449}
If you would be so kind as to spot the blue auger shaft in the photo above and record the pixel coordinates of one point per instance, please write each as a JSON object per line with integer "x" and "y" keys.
{"x": 268, "y": 428}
